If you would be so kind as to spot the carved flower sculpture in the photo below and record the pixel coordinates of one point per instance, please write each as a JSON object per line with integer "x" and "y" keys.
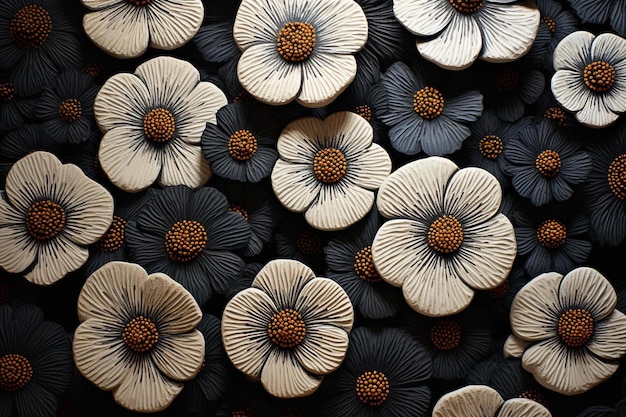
{"x": 297, "y": 49}
{"x": 446, "y": 238}
{"x": 288, "y": 329}
{"x": 567, "y": 331}
{"x": 137, "y": 336}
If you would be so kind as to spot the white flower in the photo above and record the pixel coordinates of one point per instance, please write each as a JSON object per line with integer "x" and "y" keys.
{"x": 288, "y": 329}
{"x": 298, "y": 49}
{"x": 125, "y": 28}
{"x": 446, "y": 238}
{"x": 153, "y": 121}
{"x": 567, "y": 330}
{"x": 50, "y": 214}
{"x": 137, "y": 336}
{"x": 590, "y": 78}
{"x": 329, "y": 169}
{"x": 460, "y": 31}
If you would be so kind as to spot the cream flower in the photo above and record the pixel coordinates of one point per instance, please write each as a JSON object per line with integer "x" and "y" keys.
{"x": 446, "y": 238}
{"x": 137, "y": 336}
{"x": 298, "y": 49}
{"x": 329, "y": 169}
{"x": 288, "y": 329}
{"x": 50, "y": 214}
{"x": 460, "y": 31}
{"x": 484, "y": 401}
{"x": 125, "y": 28}
{"x": 568, "y": 329}
{"x": 153, "y": 121}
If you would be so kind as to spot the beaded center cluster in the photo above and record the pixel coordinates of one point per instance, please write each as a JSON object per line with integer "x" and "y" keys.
{"x": 330, "y": 165}
{"x": 70, "y": 110}
{"x": 159, "y": 125}
{"x": 15, "y": 372}
{"x": 296, "y": 41}
{"x": 557, "y": 114}
{"x": 364, "y": 265}
{"x": 617, "y": 177}
{"x": 505, "y": 78}
{"x": 140, "y": 2}
{"x": 428, "y": 102}
{"x": 308, "y": 243}
{"x": 114, "y": 237}
{"x": 239, "y": 210}
{"x": 445, "y": 334}
{"x": 286, "y": 328}
{"x": 45, "y": 219}
{"x": 185, "y": 241}
{"x": 140, "y": 334}
{"x": 548, "y": 163}
{"x": 575, "y": 327}
{"x": 467, "y": 6}
{"x": 364, "y": 111}
{"x": 30, "y": 27}
{"x": 372, "y": 388}
{"x": 445, "y": 234}
{"x": 491, "y": 147}
{"x": 550, "y": 23}
{"x": 7, "y": 92}
{"x": 551, "y": 234}
{"x": 599, "y": 76}
{"x": 242, "y": 145}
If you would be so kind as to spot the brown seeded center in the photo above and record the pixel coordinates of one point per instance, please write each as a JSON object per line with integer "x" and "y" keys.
{"x": 292, "y": 412}
{"x": 286, "y": 328}
{"x": 505, "y": 78}
{"x": 550, "y": 23}
{"x": 70, "y": 110}
{"x": 159, "y": 125}
{"x": 364, "y": 111}
{"x": 599, "y": 76}
{"x": 114, "y": 238}
{"x": 308, "y": 243}
{"x": 551, "y": 234}
{"x": 185, "y": 241}
{"x": 140, "y": 334}
{"x": 467, "y": 6}
{"x": 557, "y": 114}
{"x": 241, "y": 412}
{"x": 242, "y": 145}
{"x": 239, "y": 210}
{"x": 7, "y": 92}
{"x": 575, "y": 327}
{"x": 617, "y": 177}
{"x": 364, "y": 265}
{"x": 296, "y": 41}
{"x": 445, "y": 234}
{"x": 548, "y": 163}
{"x": 45, "y": 220}
{"x": 15, "y": 372}
{"x": 330, "y": 165}
{"x": 140, "y": 2}
{"x": 500, "y": 291}
{"x": 428, "y": 103}
{"x": 535, "y": 395}
{"x": 96, "y": 70}
{"x": 491, "y": 146}
{"x": 372, "y": 388}
{"x": 445, "y": 334}
{"x": 30, "y": 27}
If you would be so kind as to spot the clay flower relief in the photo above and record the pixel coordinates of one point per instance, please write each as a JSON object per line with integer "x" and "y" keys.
{"x": 590, "y": 78}
{"x": 153, "y": 121}
{"x": 137, "y": 336}
{"x": 298, "y": 50}
{"x": 329, "y": 169}
{"x": 460, "y": 31}
{"x": 125, "y": 28}
{"x": 288, "y": 329}
{"x": 567, "y": 330}
{"x": 446, "y": 238}
{"x": 50, "y": 214}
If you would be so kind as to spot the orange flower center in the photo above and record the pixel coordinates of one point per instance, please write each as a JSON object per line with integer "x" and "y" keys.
{"x": 617, "y": 177}
{"x": 445, "y": 334}
{"x": 575, "y": 327}
{"x": 15, "y": 372}
{"x": 7, "y": 92}
{"x": 428, "y": 103}
{"x": 45, "y": 219}
{"x": 551, "y": 234}
{"x": 140, "y": 334}
{"x": 296, "y": 41}
{"x": 557, "y": 114}
{"x": 70, "y": 110}
{"x": 286, "y": 328}
{"x": 239, "y": 210}
{"x": 185, "y": 241}
{"x": 445, "y": 234}
{"x": 96, "y": 70}
{"x": 159, "y": 125}
{"x": 330, "y": 165}
{"x": 30, "y": 27}
{"x": 490, "y": 147}
{"x": 467, "y": 6}
{"x": 364, "y": 111}
{"x": 364, "y": 265}
{"x": 550, "y": 23}
{"x": 241, "y": 412}
{"x": 372, "y": 388}
{"x": 599, "y": 76}
{"x": 548, "y": 163}
{"x": 114, "y": 237}
{"x": 242, "y": 145}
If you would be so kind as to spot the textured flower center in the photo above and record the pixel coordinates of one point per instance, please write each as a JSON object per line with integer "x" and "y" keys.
{"x": 140, "y": 334}
{"x": 15, "y": 372}
{"x": 617, "y": 177}
{"x": 467, "y": 6}
{"x": 372, "y": 388}
{"x": 599, "y": 76}
{"x": 5, "y": 292}
{"x": 308, "y": 243}
{"x": 70, "y": 110}
{"x": 557, "y": 114}
{"x": 239, "y": 210}
{"x": 159, "y": 125}
{"x": 505, "y": 78}
{"x": 364, "y": 111}
{"x": 330, "y": 165}
{"x": 535, "y": 395}
{"x": 364, "y": 265}
{"x": 428, "y": 103}
{"x": 551, "y": 234}
{"x": 140, "y": 2}
{"x": 292, "y": 412}
{"x": 445, "y": 234}
{"x": 185, "y": 241}
{"x": 490, "y": 146}
{"x": 286, "y": 328}
{"x": 445, "y": 334}
{"x": 7, "y": 92}
{"x": 548, "y": 163}
{"x": 296, "y": 41}
{"x": 575, "y": 327}
{"x": 241, "y": 412}
{"x": 242, "y": 145}
{"x": 550, "y": 23}
{"x": 45, "y": 219}
{"x": 500, "y": 291}
{"x": 96, "y": 70}
{"x": 30, "y": 27}
{"x": 113, "y": 239}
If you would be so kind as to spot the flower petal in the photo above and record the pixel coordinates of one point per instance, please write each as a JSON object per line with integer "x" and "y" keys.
{"x": 197, "y": 109}
{"x": 473, "y": 195}
{"x": 30, "y": 179}
{"x": 184, "y": 164}
{"x": 295, "y": 185}
{"x": 522, "y": 407}
{"x": 123, "y": 100}
{"x": 283, "y": 280}
{"x": 55, "y": 259}
{"x": 341, "y": 28}
{"x": 370, "y": 167}
{"x": 324, "y": 77}
{"x": 596, "y": 114}
{"x": 284, "y": 377}
{"x": 120, "y": 30}
{"x": 608, "y": 47}
{"x": 574, "y": 51}
{"x": 423, "y": 17}
{"x": 394, "y": 249}
{"x": 569, "y": 90}
{"x": 259, "y": 21}
{"x": 535, "y": 311}
{"x": 18, "y": 249}
{"x": 514, "y": 347}
{"x": 323, "y": 349}
{"x": 179, "y": 356}
{"x": 469, "y": 401}
{"x": 609, "y": 337}
{"x": 348, "y": 132}
{"x": 323, "y": 302}
{"x": 339, "y": 206}
{"x": 172, "y": 25}
{"x": 169, "y": 80}
{"x": 301, "y": 139}
{"x": 586, "y": 288}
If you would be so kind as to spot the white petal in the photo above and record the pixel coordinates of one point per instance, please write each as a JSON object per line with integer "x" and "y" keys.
{"x": 55, "y": 259}
{"x": 184, "y": 164}
{"x": 523, "y": 407}
{"x": 469, "y": 401}
{"x": 123, "y": 100}
{"x": 508, "y": 30}
{"x": 423, "y": 17}
{"x": 121, "y": 30}
{"x": 569, "y": 90}
{"x": 416, "y": 189}
{"x": 258, "y": 21}
{"x": 169, "y": 80}
{"x": 267, "y": 76}
{"x": 339, "y": 206}
{"x": 199, "y": 108}
{"x": 295, "y": 185}
{"x": 473, "y": 195}
{"x": 179, "y": 356}
{"x": 596, "y": 114}
{"x": 324, "y": 77}
{"x": 323, "y": 350}
{"x": 615, "y": 99}
{"x": 284, "y": 377}
{"x": 348, "y": 132}
{"x": 128, "y": 159}
{"x": 574, "y": 51}
{"x": 535, "y": 310}
{"x": 514, "y": 347}
{"x": 31, "y": 179}
{"x": 341, "y": 26}
{"x": 99, "y": 4}
{"x": 370, "y": 167}
{"x": 282, "y": 280}
{"x": 566, "y": 371}
{"x": 586, "y": 288}
{"x": 301, "y": 139}
{"x": 457, "y": 47}
{"x": 9, "y": 215}
{"x": 173, "y": 24}
{"x": 18, "y": 249}
{"x": 609, "y": 337}
{"x": 608, "y": 47}
{"x": 323, "y": 302}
